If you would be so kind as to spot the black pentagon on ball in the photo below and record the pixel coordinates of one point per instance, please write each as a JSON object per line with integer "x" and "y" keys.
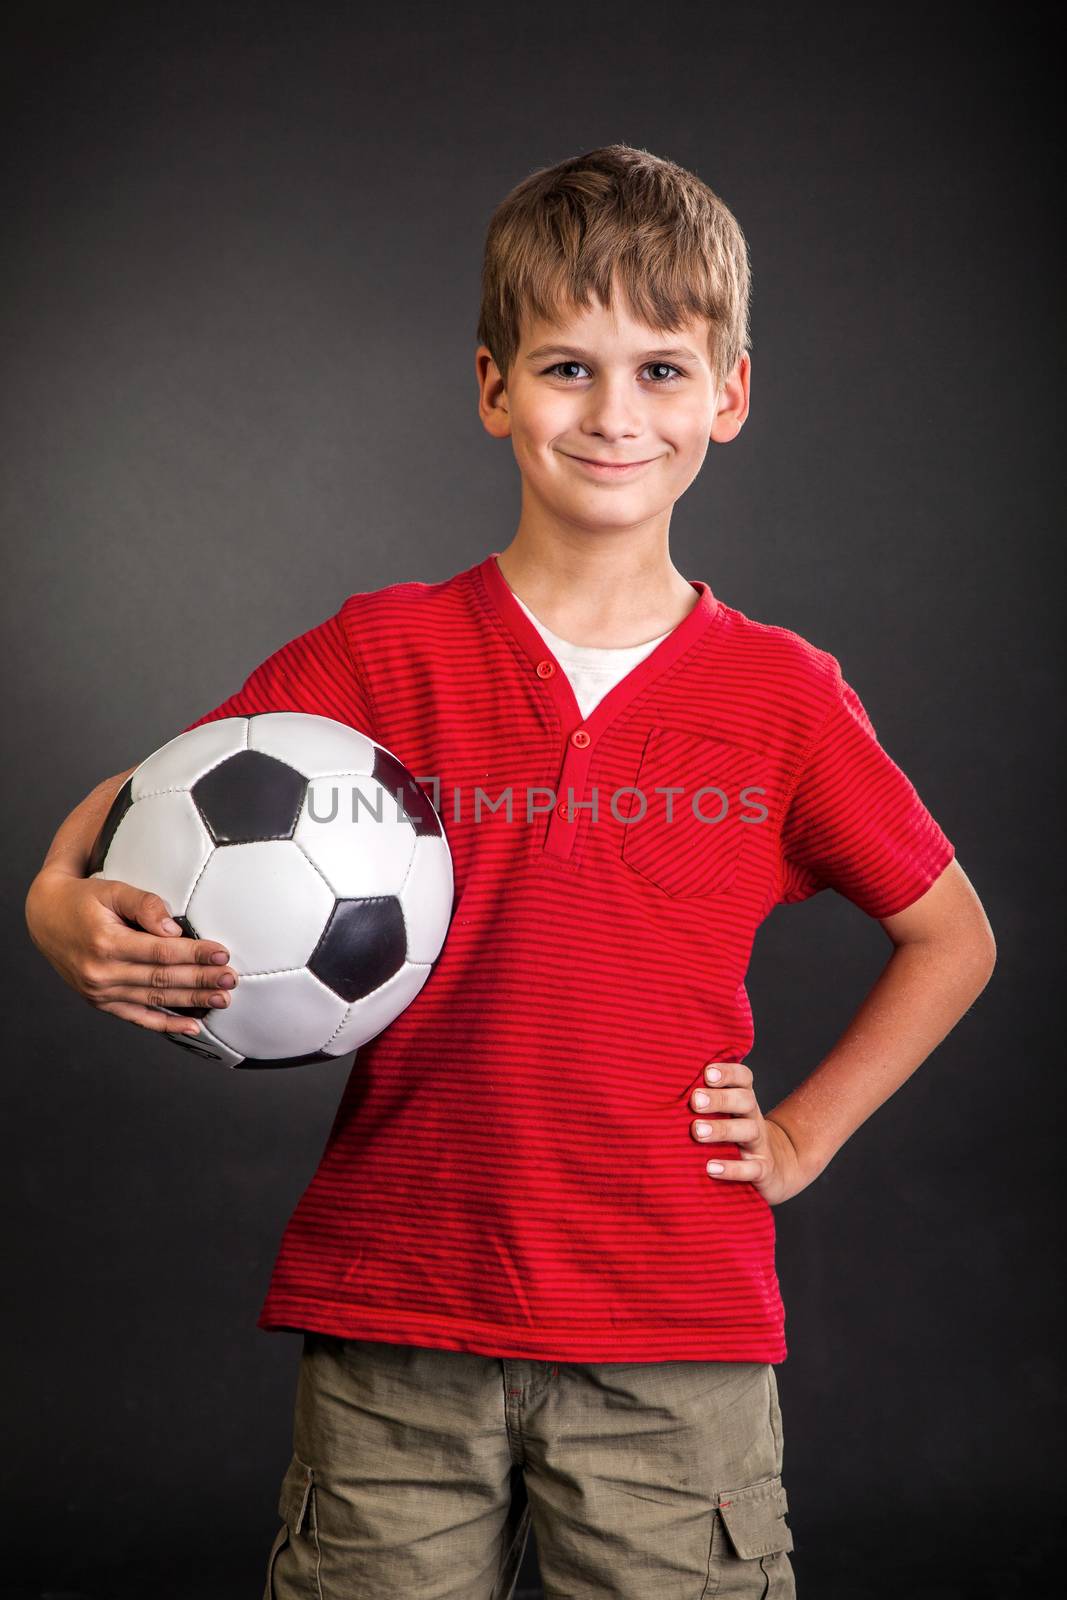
{"x": 263, "y": 1063}
{"x": 195, "y": 1045}
{"x": 119, "y": 807}
{"x": 202, "y": 1047}
{"x": 362, "y": 945}
{"x": 250, "y": 797}
{"x": 394, "y": 776}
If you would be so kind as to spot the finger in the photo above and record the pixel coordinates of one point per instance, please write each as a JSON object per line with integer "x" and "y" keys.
{"x": 198, "y": 981}
{"x": 721, "y": 1072}
{"x": 748, "y": 1171}
{"x": 707, "y": 1100}
{"x": 737, "y": 1131}
{"x": 171, "y": 1000}
{"x": 146, "y": 949}
{"x": 154, "y": 1021}
{"x": 142, "y": 906}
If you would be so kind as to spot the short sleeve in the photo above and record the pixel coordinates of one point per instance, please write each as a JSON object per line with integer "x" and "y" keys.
{"x": 315, "y": 672}
{"x": 855, "y": 822}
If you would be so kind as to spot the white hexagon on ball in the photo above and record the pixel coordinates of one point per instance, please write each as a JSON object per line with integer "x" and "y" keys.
{"x": 356, "y": 834}
{"x": 135, "y": 855}
{"x": 367, "y": 1017}
{"x": 186, "y": 759}
{"x": 426, "y": 898}
{"x": 311, "y": 744}
{"x": 239, "y": 883}
{"x": 283, "y": 1014}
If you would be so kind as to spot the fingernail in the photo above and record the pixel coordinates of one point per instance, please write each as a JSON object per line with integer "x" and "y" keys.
{"x": 217, "y": 1000}
{"x": 170, "y": 926}
{"x": 702, "y": 1129}
{"x": 715, "y": 1166}
{"x": 220, "y": 958}
{"x": 713, "y": 1074}
{"x": 701, "y": 1100}
{"x": 227, "y": 980}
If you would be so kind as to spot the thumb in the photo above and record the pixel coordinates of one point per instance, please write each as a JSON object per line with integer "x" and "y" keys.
{"x": 143, "y": 907}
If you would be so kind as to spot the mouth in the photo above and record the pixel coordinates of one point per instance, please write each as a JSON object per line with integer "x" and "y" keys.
{"x": 611, "y": 469}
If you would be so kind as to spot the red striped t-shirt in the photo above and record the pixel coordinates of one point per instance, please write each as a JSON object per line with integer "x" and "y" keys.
{"x": 510, "y": 1169}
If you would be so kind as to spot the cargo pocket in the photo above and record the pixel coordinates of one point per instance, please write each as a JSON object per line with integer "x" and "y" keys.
{"x": 685, "y": 852}
{"x": 298, "y": 1534}
{"x": 750, "y": 1538}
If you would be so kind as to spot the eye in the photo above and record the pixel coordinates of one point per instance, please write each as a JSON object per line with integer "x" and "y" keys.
{"x": 665, "y": 365}
{"x": 658, "y": 383}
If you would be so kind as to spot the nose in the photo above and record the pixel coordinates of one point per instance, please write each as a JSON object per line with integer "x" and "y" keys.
{"x": 612, "y": 410}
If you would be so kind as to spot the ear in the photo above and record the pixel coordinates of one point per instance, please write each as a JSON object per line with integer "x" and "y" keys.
{"x": 492, "y": 394}
{"x": 732, "y": 402}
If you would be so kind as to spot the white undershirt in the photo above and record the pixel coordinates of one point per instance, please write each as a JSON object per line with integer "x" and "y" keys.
{"x": 592, "y": 670}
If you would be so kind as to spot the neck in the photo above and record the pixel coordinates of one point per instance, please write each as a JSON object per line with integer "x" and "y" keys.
{"x": 606, "y": 595}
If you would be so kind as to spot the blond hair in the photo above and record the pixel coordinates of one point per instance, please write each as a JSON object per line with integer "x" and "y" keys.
{"x": 564, "y": 232}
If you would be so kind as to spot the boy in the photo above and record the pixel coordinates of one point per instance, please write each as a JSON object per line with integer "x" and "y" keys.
{"x": 524, "y": 1290}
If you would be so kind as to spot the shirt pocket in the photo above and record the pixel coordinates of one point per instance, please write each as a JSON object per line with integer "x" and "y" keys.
{"x": 690, "y": 842}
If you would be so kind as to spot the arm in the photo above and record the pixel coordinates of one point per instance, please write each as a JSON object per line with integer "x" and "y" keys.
{"x": 943, "y": 957}
{"x": 69, "y": 851}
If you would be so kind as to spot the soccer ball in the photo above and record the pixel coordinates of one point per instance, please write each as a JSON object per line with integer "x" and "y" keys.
{"x": 312, "y": 854}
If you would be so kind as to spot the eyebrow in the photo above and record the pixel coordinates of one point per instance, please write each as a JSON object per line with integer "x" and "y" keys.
{"x": 582, "y": 355}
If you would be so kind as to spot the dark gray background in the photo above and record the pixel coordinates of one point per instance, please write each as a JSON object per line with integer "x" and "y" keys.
{"x": 240, "y": 281}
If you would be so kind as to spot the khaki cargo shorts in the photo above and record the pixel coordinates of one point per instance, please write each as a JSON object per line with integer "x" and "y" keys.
{"x": 416, "y": 1474}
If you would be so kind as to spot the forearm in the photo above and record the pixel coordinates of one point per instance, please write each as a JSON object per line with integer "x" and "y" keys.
{"x": 923, "y": 991}
{"x": 69, "y": 850}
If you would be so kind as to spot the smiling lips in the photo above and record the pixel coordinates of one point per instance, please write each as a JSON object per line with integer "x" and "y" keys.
{"x": 610, "y": 469}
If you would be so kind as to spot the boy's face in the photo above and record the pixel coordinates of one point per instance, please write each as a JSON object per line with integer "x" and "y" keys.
{"x": 601, "y": 387}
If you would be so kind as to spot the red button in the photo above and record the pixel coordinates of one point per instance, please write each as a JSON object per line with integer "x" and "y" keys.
{"x": 564, "y": 810}
{"x": 545, "y": 669}
{"x": 580, "y": 738}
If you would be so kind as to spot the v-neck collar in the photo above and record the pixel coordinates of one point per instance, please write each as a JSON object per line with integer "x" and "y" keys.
{"x": 497, "y": 590}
